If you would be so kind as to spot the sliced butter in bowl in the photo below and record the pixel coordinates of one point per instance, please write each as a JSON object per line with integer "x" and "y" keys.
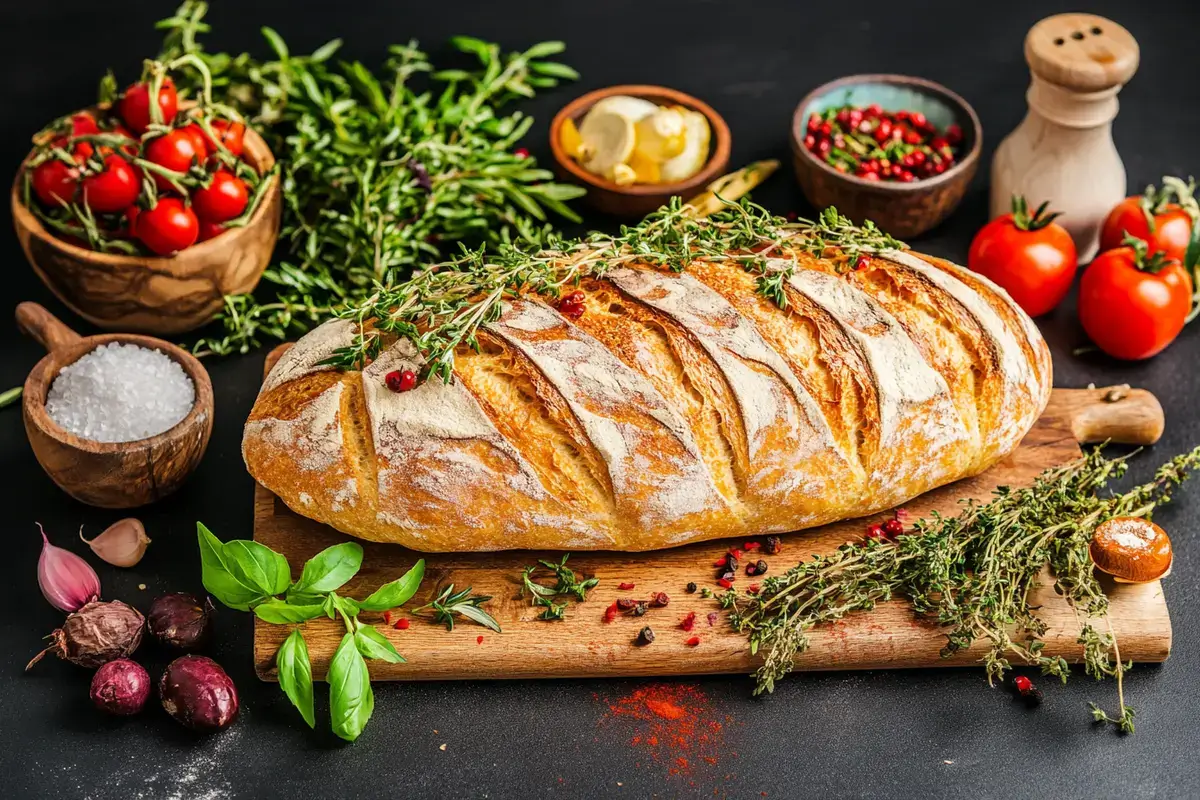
{"x": 608, "y": 132}
{"x": 695, "y": 150}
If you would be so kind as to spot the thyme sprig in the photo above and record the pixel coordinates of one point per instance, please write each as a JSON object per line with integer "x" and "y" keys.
{"x": 449, "y": 602}
{"x": 973, "y": 573}
{"x": 380, "y": 168}
{"x": 565, "y": 583}
{"x": 442, "y": 307}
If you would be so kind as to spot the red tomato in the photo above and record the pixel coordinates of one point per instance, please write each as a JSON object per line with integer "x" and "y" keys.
{"x": 83, "y": 124}
{"x": 210, "y": 229}
{"x": 1133, "y": 305}
{"x": 174, "y": 151}
{"x": 199, "y": 140}
{"x": 130, "y": 149}
{"x": 225, "y": 198}
{"x": 168, "y": 227}
{"x": 54, "y": 182}
{"x": 1030, "y": 256}
{"x": 135, "y": 105}
{"x": 230, "y": 134}
{"x": 1172, "y": 225}
{"x": 114, "y": 188}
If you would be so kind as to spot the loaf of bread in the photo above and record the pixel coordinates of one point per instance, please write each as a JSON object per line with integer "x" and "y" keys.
{"x": 680, "y": 406}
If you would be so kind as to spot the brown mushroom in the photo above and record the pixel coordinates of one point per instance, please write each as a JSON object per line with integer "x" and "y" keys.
{"x": 1132, "y": 550}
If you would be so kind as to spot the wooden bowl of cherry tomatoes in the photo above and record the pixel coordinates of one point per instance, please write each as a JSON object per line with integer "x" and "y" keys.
{"x": 144, "y": 220}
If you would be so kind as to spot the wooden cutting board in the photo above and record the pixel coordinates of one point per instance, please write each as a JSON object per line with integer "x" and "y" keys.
{"x": 583, "y": 645}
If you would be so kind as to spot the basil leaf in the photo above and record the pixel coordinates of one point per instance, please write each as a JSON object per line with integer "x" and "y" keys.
{"x": 329, "y": 569}
{"x": 218, "y": 579}
{"x": 396, "y": 593}
{"x": 348, "y": 605}
{"x": 330, "y": 605}
{"x": 295, "y": 675}
{"x": 257, "y": 566}
{"x": 351, "y": 700}
{"x": 280, "y": 612}
{"x": 373, "y": 644}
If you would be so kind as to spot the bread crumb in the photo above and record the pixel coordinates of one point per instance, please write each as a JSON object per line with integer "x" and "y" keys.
{"x": 142, "y": 586}
{"x": 947, "y": 761}
{"x": 441, "y": 747}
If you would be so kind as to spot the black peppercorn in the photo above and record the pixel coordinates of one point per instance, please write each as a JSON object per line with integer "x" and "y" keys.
{"x": 756, "y": 568}
{"x": 731, "y": 562}
{"x": 645, "y": 636}
{"x": 774, "y": 545}
{"x": 626, "y": 603}
{"x": 659, "y": 599}
{"x": 639, "y": 609}
{"x": 691, "y": 587}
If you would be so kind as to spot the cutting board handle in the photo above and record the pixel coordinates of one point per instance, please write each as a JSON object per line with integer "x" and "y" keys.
{"x": 1110, "y": 413}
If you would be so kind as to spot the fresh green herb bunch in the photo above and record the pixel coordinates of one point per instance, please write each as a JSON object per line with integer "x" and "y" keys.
{"x": 379, "y": 170}
{"x": 973, "y": 572}
{"x": 442, "y": 307}
{"x": 249, "y": 576}
{"x": 565, "y": 583}
{"x": 449, "y": 602}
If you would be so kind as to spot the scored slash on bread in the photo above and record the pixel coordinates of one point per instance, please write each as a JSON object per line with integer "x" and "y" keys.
{"x": 681, "y": 406}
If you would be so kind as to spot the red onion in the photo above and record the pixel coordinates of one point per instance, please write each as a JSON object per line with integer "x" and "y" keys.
{"x": 198, "y": 694}
{"x": 180, "y": 620}
{"x": 67, "y": 581}
{"x": 120, "y": 687}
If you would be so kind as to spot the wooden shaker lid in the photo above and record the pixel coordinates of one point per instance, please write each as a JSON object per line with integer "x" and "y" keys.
{"x": 1081, "y": 52}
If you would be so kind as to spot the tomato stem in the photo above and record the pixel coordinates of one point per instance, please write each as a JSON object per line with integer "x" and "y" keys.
{"x": 1025, "y": 221}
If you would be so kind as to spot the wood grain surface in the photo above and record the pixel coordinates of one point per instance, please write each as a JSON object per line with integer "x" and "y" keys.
{"x": 583, "y": 645}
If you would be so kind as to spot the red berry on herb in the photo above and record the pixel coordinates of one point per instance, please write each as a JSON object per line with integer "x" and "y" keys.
{"x": 917, "y": 119}
{"x": 862, "y": 262}
{"x": 810, "y": 142}
{"x": 874, "y": 110}
{"x": 1022, "y": 683}
{"x": 521, "y": 152}
{"x": 814, "y": 122}
{"x": 907, "y": 176}
{"x": 893, "y": 528}
{"x": 824, "y": 146}
{"x": 876, "y": 532}
{"x": 870, "y": 176}
{"x": 954, "y": 134}
{"x": 939, "y": 144}
{"x": 692, "y": 642}
{"x": 400, "y": 380}
{"x": 401, "y": 624}
{"x": 826, "y": 129}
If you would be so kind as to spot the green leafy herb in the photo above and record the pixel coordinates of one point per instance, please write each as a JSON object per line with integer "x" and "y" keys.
{"x": 249, "y": 576}
{"x": 295, "y": 675}
{"x": 565, "y": 583}
{"x": 11, "y": 396}
{"x": 441, "y": 308}
{"x": 381, "y": 169}
{"x": 972, "y": 573}
{"x": 351, "y": 700}
{"x": 449, "y": 602}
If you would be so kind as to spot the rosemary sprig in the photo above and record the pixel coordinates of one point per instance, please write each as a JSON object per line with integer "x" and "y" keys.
{"x": 449, "y": 602}
{"x": 973, "y": 572}
{"x": 441, "y": 308}
{"x": 380, "y": 169}
{"x": 565, "y": 583}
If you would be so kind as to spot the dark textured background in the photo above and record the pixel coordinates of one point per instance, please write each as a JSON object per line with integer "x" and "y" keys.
{"x": 852, "y": 734}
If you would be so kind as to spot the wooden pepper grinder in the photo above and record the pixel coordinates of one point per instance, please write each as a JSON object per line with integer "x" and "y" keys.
{"x": 1063, "y": 150}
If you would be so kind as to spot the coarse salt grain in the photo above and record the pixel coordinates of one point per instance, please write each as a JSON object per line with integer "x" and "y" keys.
{"x": 120, "y": 393}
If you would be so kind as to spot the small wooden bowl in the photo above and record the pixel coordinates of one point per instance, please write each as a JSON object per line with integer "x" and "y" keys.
{"x": 109, "y": 474}
{"x": 901, "y": 209}
{"x": 638, "y": 200}
{"x": 152, "y": 294}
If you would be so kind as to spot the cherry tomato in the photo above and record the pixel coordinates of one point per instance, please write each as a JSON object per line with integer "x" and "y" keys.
{"x": 225, "y": 198}
{"x": 1028, "y": 255}
{"x": 174, "y": 151}
{"x": 1133, "y": 304}
{"x": 230, "y": 134}
{"x": 83, "y": 124}
{"x": 1171, "y": 230}
{"x": 210, "y": 229}
{"x": 168, "y": 227}
{"x": 114, "y": 188}
{"x": 54, "y": 182}
{"x": 135, "y": 105}
{"x": 199, "y": 140}
{"x": 130, "y": 149}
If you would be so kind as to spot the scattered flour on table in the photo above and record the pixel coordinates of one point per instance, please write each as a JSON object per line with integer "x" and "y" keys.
{"x": 120, "y": 393}
{"x": 195, "y": 774}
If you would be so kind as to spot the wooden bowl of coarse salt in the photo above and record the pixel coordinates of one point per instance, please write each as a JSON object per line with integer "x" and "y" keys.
{"x": 117, "y": 420}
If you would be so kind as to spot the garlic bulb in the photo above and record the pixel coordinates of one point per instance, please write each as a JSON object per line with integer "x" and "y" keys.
{"x": 122, "y": 544}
